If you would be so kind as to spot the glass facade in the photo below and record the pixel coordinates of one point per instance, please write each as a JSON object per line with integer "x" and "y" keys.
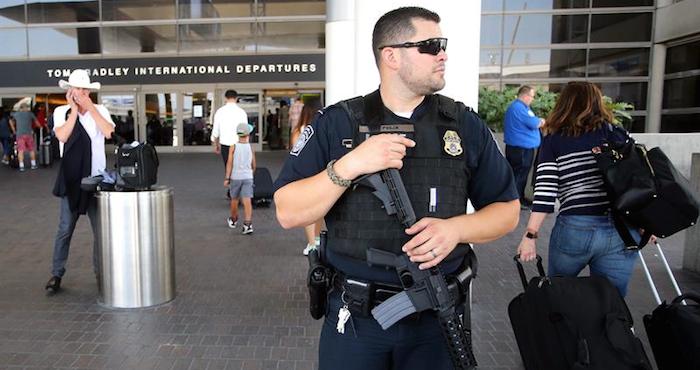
{"x": 546, "y": 43}
{"x": 114, "y": 27}
{"x": 681, "y": 98}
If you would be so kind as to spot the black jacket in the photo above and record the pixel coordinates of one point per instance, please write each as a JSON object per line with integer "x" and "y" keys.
{"x": 76, "y": 164}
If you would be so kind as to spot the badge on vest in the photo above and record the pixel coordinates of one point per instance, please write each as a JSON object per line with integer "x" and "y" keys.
{"x": 453, "y": 144}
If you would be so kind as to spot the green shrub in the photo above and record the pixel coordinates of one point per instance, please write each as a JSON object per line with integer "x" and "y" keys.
{"x": 493, "y": 105}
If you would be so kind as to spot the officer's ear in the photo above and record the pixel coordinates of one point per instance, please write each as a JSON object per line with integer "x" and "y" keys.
{"x": 390, "y": 57}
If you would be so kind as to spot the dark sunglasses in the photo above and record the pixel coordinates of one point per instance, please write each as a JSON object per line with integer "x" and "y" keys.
{"x": 429, "y": 46}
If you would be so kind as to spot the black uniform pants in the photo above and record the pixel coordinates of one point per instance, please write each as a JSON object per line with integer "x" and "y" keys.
{"x": 410, "y": 344}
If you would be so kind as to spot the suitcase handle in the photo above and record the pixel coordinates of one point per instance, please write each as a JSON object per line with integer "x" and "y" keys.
{"x": 521, "y": 270}
{"x": 691, "y": 296}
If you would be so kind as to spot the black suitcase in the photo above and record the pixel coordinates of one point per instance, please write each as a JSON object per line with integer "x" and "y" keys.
{"x": 45, "y": 157}
{"x": 573, "y": 323}
{"x": 262, "y": 187}
{"x": 673, "y": 328}
{"x": 14, "y": 158}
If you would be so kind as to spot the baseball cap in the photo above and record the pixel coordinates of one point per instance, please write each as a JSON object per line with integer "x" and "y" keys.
{"x": 243, "y": 129}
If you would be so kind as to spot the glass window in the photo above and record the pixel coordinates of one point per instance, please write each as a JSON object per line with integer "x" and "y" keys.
{"x": 124, "y": 10}
{"x": 251, "y": 105}
{"x": 282, "y": 8}
{"x": 63, "y": 41}
{"x": 14, "y": 42}
{"x": 216, "y": 37}
{"x": 122, "y": 108}
{"x": 543, "y": 63}
{"x": 683, "y": 57}
{"x": 491, "y": 29}
{"x": 680, "y": 122}
{"x": 12, "y": 13}
{"x": 140, "y": 39}
{"x": 634, "y": 93}
{"x": 544, "y": 4}
{"x": 160, "y": 119}
{"x": 490, "y": 63}
{"x": 289, "y": 36}
{"x": 196, "y": 118}
{"x": 543, "y": 29}
{"x": 682, "y": 92}
{"x": 491, "y": 5}
{"x": 217, "y": 9}
{"x": 621, "y": 27}
{"x": 619, "y": 3}
{"x": 638, "y": 124}
{"x": 57, "y": 11}
{"x": 618, "y": 62}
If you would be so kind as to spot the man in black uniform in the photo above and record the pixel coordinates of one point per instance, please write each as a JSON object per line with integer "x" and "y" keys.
{"x": 445, "y": 154}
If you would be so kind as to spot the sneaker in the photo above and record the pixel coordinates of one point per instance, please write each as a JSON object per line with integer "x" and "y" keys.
{"x": 5, "y": 161}
{"x": 53, "y": 285}
{"x": 231, "y": 223}
{"x": 309, "y": 248}
{"x": 34, "y": 167}
{"x": 247, "y": 229}
{"x": 22, "y": 169}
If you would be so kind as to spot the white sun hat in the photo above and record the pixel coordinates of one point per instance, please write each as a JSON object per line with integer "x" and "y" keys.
{"x": 79, "y": 78}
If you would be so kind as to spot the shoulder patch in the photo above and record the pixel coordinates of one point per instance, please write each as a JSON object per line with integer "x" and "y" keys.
{"x": 302, "y": 140}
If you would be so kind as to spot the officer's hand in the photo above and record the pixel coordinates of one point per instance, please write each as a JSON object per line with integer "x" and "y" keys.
{"x": 377, "y": 153}
{"x": 433, "y": 240}
{"x": 217, "y": 149}
{"x": 527, "y": 249}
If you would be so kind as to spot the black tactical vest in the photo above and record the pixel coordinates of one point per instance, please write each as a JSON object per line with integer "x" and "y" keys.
{"x": 434, "y": 172}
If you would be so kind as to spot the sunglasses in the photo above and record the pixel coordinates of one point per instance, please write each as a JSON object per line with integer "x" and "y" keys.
{"x": 429, "y": 46}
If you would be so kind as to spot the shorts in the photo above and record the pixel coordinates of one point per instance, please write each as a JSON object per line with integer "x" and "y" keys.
{"x": 25, "y": 143}
{"x": 241, "y": 188}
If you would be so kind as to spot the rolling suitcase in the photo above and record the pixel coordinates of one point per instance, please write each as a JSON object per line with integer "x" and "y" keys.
{"x": 14, "y": 156}
{"x": 262, "y": 187}
{"x": 45, "y": 157}
{"x": 573, "y": 323}
{"x": 673, "y": 328}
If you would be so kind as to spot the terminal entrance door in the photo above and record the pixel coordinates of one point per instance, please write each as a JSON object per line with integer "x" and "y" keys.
{"x": 274, "y": 114}
{"x": 123, "y": 109}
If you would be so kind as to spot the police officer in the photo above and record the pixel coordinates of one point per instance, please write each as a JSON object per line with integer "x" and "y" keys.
{"x": 445, "y": 154}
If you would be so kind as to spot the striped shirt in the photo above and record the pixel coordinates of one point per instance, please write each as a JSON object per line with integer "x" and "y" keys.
{"x": 567, "y": 172}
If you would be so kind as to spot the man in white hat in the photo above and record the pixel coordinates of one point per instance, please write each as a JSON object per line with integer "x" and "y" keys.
{"x": 81, "y": 126}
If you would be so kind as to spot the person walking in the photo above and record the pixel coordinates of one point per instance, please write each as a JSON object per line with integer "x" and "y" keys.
{"x": 239, "y": 178}
{"x": 308, "y": 111}
{"x": 521, "y": 133}
{"x": 226, "y": 119}
{"x": 445, "y": 154}
{"x": 21, "y": 126}
{"x": 584, "y": 232}
{"x": 81, "y": 127}
{"x": 5, "y": 136}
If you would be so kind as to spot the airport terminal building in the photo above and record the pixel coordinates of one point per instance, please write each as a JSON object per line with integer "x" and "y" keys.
{"x": 165, "y": 64}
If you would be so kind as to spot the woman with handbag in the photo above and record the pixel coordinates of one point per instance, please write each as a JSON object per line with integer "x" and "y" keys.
{"x": 584, "y": 232}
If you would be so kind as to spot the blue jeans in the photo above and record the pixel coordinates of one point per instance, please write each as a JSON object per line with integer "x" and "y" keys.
{"x": 520, "y": 160}
{"x": 6, "y": 146}
{"x": 66, "y": 226}
{"x": 577, "y": 241}
{"x": 410, "y": 344}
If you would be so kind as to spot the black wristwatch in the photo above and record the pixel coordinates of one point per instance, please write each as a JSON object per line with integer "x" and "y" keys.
{"x": 531, "y": 235}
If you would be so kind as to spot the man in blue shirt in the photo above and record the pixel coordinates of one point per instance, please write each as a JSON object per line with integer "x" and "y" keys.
{"x": 521, "y": 133}
{"x": 445, "y": 154}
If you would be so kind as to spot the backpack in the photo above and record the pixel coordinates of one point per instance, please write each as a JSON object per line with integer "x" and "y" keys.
{"x": 137, "y": 166}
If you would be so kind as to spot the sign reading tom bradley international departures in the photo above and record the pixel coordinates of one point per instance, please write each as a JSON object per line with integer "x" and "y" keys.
{"x": 175, "y": 70}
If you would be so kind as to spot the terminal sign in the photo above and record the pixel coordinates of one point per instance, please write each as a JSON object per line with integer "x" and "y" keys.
{"x": 248, "y": 68}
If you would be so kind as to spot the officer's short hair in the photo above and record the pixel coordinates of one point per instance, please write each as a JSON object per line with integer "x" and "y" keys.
{"x": 396, "y": 26}
{"x": 524, "y": 90}
{"x": 231, "y": 94}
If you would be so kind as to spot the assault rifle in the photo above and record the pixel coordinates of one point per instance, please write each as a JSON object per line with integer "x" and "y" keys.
{"x": 423, "y": 289}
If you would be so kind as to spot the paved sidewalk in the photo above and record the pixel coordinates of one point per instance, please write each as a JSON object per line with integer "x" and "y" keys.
{"x": 241, "y": 302}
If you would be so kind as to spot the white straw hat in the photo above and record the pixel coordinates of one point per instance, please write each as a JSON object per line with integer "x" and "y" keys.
{"x": 79, "y": 78}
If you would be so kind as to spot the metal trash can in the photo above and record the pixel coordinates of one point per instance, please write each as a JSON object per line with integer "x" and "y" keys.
{"x": 136, "y": 247}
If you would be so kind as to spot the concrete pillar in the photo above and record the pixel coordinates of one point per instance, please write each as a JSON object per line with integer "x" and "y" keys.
{"x": 656, "y": 88}
{"x": 350, "y": 66}
{"x": 691, "y": 251}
